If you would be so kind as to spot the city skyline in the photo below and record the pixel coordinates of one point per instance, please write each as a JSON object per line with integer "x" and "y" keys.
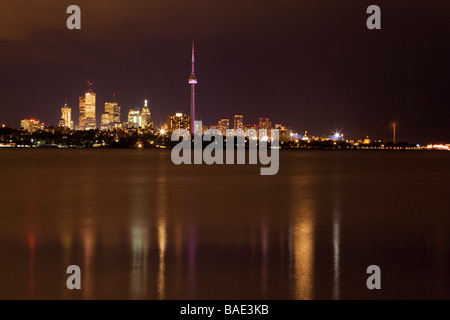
{"x": 140, "y": 117}
{"x": 307, "y": 66}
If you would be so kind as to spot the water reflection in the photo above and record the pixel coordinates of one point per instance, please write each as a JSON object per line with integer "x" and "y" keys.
{"x": 303, "y": 238}
{"x": 88, "y": 235}
{"x": 336, "y": 232}
{"x": 139, "y": 249}
{"x": 162, "y": 242}
{"x": 178, "y": 234}
{"x": 32, "y": 254}
{"x": 265, "y": 253}
{"x": 162, "y": 232}
{"x": 66, "y": 241}
{"x": 139, "y": 233}
{"x": 88, "y": 231}
{"x": 191, "y": 264}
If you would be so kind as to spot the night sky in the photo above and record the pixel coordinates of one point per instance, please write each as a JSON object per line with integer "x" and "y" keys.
{"x": 310, "y": 65}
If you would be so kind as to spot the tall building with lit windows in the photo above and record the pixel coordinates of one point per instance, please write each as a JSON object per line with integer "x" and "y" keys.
{"x": 66, "y": 117}
{"x": 134, "y": 118}
{"x": 111, "y": 117}
{"x": 264, "y": 123}
{"x": 223, "y": 125}
{"x": 178, "y": 121}
{"x": 31, "y": 125}
{"x": 87, "y": 119}
{"x": 105, "y": 121}
{"x": 146, "y": 117}
{"x": 90, "y": 121}
{"x": 116, "y": 116}
{"x": 238, "y": 122}
{"x": 140, "y": 117}
{"x": 81, "y": 114}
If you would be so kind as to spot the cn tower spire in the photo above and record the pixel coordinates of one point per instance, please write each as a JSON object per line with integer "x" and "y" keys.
{"x": 192, "y": 81}
{"x": 193, "y": 58}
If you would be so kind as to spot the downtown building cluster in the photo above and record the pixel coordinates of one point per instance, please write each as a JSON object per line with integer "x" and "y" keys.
{"x": 139, "y": 123}
{"x": 140, "y": 118}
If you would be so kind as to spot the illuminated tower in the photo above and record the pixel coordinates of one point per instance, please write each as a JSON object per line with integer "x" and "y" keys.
{"x": 82, "y": 114}
{"x": 87, "y": 110}
{"x": 264, "y": 123}
{"x": 146, "y": 116}
{"x": 66, "y": 115}
{"x": 238, "y": 122}
{"x": 192, "y": 82}
{"x": 90, "y": 121}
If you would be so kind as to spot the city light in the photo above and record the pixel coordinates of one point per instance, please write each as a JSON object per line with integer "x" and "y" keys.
{"x": 438, "y": 147}
{"x": 162, "y": 131}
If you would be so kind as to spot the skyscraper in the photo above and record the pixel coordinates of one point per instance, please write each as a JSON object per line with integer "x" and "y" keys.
{"x": 81, "y": 114}
{"x": 66, "y": 117}
{"x": 146, "y": 116}
{"x": 87, "y": 119}
{"x": 238, "y": 122}
{"x": 140, "y": 118}
{"x": 104, "y": 122}
{"x": 90, "y": 121}
{"x": 264, "y": 123}
{"x": 223, "y": 125}
{"x": 116, "y": 116}
{"x": 31, "y": 125}
{"x": 134, "y": 118}
{"x": 111, "y": 116}
{"x": 192, "y": 81}
{"x": 178, "y": 121}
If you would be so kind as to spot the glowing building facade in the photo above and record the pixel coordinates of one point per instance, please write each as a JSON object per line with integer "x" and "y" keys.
{"x": 238, "y": 122}
{"x": 31, "y": 125}
{"x": 66, "y": 117}
{"x": 178, "y": 121}
{"x": 87, "y": 119}
{"x": 264, "y": 123}
{"x": 223, "y": 125}
{"x": 140, "y": 118}
{"x": 111, "y": 117}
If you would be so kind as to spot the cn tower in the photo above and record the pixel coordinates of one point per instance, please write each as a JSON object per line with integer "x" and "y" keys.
{"x": 192, "y": 82}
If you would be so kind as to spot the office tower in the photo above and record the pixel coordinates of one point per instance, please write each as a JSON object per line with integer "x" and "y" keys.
{"x": 264, "y": 123}
{"x": 81, "y": 113}
{"x": 111, "y": 116}
{"x": 223, "y": 125}
{"x": 66, "y": 117}
{"x": 146, "y": 117}
{"x": 87, "y": 119}
{"x": 109, "y": 109}
{"x": 238, "y": 122}
{"x": 134, "y": 118}
{"x": 178, "y": 121}
{"x": 105, "y": 123}
{"x": 140, "y": 118}
{"x": 31, "y": 125}
{"x": 90, "y": 121}
{"x": 116, "y": 116}
{"x": 285, "y": 134}
{"x": 192, "y": 81}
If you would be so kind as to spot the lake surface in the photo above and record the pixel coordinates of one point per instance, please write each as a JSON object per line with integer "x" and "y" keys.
{"x": 140, "y": 227}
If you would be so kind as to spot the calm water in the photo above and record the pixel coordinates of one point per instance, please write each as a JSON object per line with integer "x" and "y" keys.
{"x": 140, "y": 227}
